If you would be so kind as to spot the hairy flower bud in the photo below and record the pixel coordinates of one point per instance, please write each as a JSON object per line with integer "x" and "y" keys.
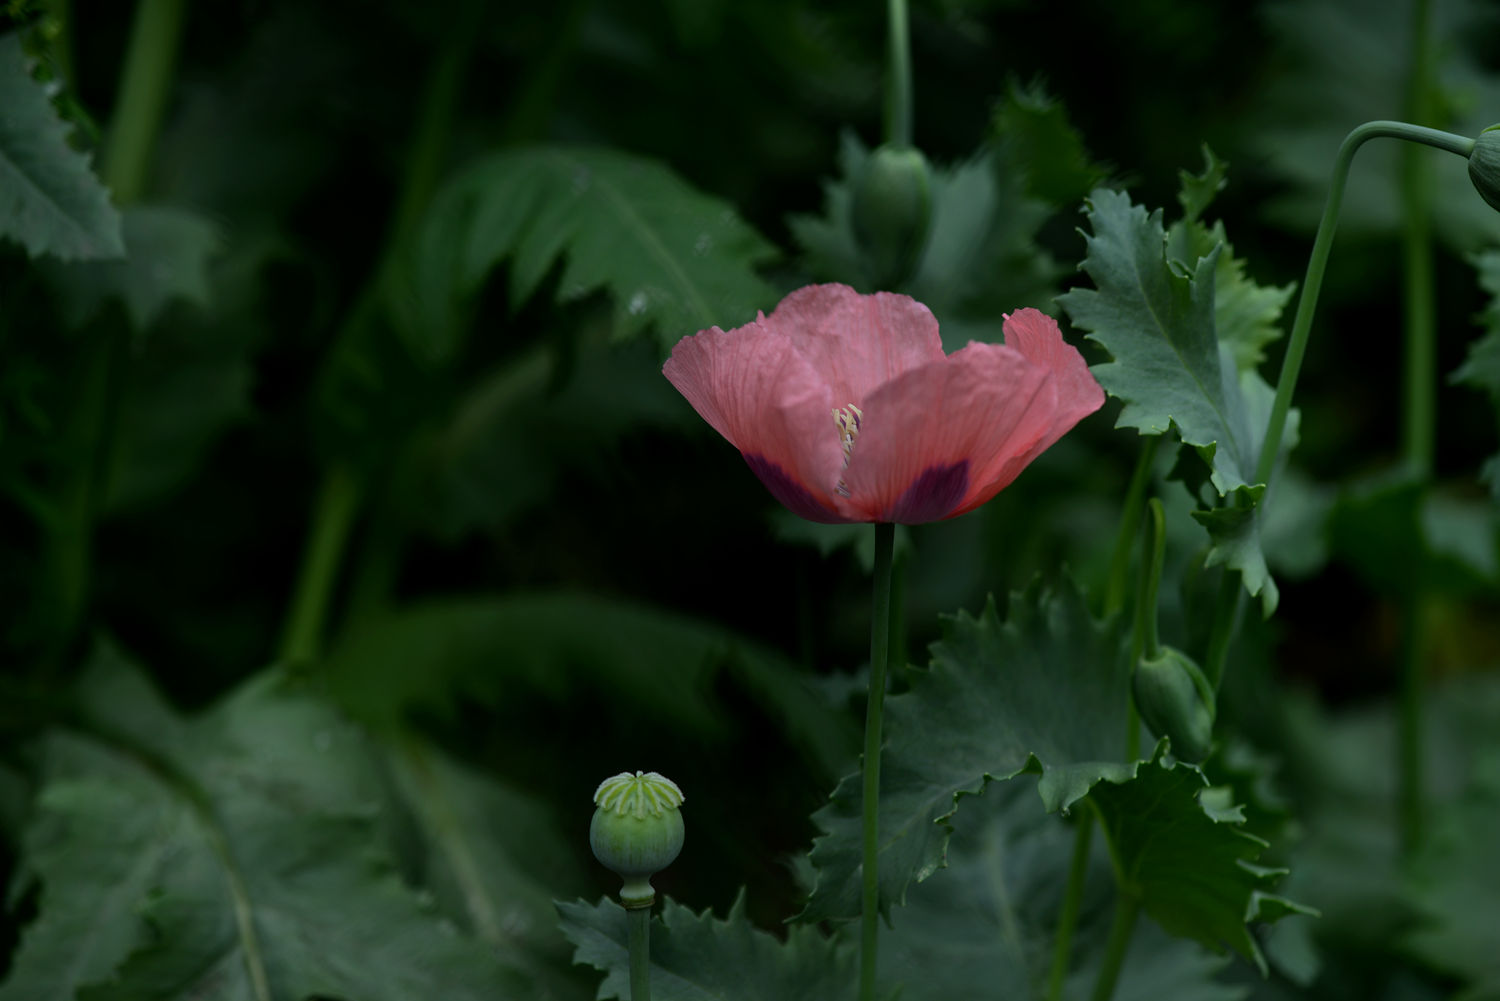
{"x": 637, "y": 830}
{"x": 1484, "y": 165}
{"x": 1177, "y": 702}
{"x": 891, "y": 208}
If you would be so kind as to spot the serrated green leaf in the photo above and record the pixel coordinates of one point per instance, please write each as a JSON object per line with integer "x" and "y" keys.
{"x": 1158, "y": 325}
{"x": 672, "y": 258}
{"x": 1185, "y": 856}
{"x": 50, "y": 200}
{"x": 1033, "y": 126}
{"x": 1169, "y": 367}
{"x": 1044, "y": 692}
{"x": 1197, "y": 191}
{"x": 697, "y": 957}
{"x": 248, "y": 861}
{"x": 167, "y": 252}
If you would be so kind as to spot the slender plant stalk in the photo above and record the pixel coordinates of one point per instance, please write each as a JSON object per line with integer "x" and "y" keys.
{"x": 640, "y": 952}
{"x": 1418, "y": 412}
{"x": 1067, "y": 921}
{"x": 144, "y": 80}
{"x": 1227, "y": 612}
{"x": 880, "y": 635}
{"x": 1114, "y": 602}
{"x": 334, "y": 511}
{"x": 1145, "y": 640}
{"x": 898, "y": 116}
{"x": 1130, "y": 521}
{"x": 1121, "y": 929}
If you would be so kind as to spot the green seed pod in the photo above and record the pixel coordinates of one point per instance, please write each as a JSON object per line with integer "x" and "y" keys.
{"x": 891, "y": 209}
{"x": 1177, "y": 702}
{"x": 637, "y": 830}
{"x": 1484, "y": 166}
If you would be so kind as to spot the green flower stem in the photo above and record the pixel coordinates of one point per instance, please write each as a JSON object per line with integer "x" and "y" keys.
{"x": 1127, "y": 909}
{"x": 880, "y": 635}
{"x": 1130, "y": 520}
{"x": 640, "y": 953}
{"x": 1418, "y": 412}
{"x": 1067, "y": 921}
{"x": 144, "y": 80}
{"x": 898, "y": 77}
{"x": 1146, "y": 640}
{"x": 334, "y": 511}
{"x": 1226, "y": 614}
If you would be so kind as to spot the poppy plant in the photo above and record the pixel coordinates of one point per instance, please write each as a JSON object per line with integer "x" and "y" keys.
{"x": 848, "y": 410}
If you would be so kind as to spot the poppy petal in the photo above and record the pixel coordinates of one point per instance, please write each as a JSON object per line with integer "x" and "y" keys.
{"x": 857, "y": 342}
{"x": 1077, "y": 394}
{"x": 927, "y": 434}
{"x": 759, "y": 392}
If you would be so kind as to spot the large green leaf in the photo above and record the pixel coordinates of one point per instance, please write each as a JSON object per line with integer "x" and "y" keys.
{"x": 562, "y": 642}
{"x": 50, "y": 200}
{"x": 672, "y": 258}
{"x": 1158, "y": 320}
{"x": 236, "y": 854}
{"x": 1045, "y": 691}
{"x": 985, "y": 927}
{"x": 697, "y": 957}
{"x": 1178, "y": 846}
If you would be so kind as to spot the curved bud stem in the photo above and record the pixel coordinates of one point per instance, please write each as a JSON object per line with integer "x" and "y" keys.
{"x": 1318, "y": 262}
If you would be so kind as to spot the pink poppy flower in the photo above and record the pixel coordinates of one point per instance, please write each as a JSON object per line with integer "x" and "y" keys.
{"x": 847, "y": 409}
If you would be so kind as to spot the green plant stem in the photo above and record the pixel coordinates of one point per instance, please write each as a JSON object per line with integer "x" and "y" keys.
{"x": 1130, "y": 520}
{"x": 334, "y": 511}
{"x": 880, "y": 635}
{"x": 1067, "y": 921}
{"x": 1226, "y": 614}
{"x": 61, "y": 44}
{"x": 144, "y": 80}
{"x": 1127, "y": 909}
{"x": 898, "y": 76}
{"x": 1418, "y": 413}
{"x": 640, "y": 953}
{"x": 1147, "y": 638}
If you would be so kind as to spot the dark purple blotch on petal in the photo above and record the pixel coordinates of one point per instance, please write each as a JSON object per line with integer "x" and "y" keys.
{"x": 793, "y": 495}
{"x": 932, "y": 496}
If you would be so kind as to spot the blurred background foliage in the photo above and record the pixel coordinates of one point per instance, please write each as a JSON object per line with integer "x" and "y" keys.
{"x": 374, "y": 394}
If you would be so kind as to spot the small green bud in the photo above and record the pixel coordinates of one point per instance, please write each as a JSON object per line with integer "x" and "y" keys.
{"x": 891, "y": 209}
{"x": 1484, "y": 165}
{"x": 637, "y": 830}
{"x": 1177, "y": 702}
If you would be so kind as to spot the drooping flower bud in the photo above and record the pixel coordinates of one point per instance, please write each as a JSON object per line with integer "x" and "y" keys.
{"x": 637, "y": 830}
{"x": 891, "y": 209}
{"x": 1177, "y": 702}
{"x": 1484, "y": 165}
